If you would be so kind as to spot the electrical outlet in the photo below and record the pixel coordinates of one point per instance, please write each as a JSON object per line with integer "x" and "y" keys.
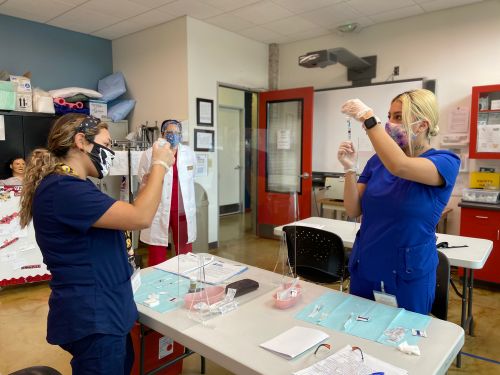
{"x": 395, "y": 71}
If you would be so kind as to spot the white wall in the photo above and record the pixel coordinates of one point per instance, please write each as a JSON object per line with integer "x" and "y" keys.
{"x": 154, "y": 62}
{"x": 216, "y": 55}
{"x": 459, "y": 47}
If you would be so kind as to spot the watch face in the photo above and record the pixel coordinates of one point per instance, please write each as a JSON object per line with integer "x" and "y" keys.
{"x": 371, "y": 122}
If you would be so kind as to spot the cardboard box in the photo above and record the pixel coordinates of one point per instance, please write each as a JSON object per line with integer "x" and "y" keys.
{"x": 7, "y": 96}
{"x": 484, "y": 180}
{"x": 98, "y": 108}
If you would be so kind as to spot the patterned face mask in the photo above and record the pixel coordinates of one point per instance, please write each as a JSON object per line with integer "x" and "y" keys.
{"x": 102, "y": 158}
{"x": 173, "y": 138}
{"x": 398, "y": 133}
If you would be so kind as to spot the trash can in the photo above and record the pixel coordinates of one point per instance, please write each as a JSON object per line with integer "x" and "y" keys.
{"x": 201, "y": 243}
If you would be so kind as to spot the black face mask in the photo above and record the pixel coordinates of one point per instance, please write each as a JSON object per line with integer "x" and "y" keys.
{"x": 102, "y": 158}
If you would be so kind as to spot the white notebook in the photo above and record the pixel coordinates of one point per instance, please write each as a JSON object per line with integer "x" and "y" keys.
{"x": 295, "y": 341}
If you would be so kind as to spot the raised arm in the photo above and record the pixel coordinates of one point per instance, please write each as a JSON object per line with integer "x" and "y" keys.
{"x": 390, "y": 153}
{"x": 139, "y": 214}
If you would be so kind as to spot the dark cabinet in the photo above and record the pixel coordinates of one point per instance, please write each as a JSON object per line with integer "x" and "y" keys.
{"x": 23, "y": 132}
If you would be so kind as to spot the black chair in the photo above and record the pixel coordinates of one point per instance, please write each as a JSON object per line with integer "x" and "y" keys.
{"x": 315, "y": 254}
{"x": 440, "y": 305}
{"x": 37, "y": 370}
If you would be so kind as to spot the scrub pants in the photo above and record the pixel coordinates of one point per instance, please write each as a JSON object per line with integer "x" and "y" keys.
{"x": 158, "y": 254}
{"x": 415, "y": 295}
{"x": 101, "y": 354}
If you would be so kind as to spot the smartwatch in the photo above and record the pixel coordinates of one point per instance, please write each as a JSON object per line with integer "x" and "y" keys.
{"x": 371, "y": 122}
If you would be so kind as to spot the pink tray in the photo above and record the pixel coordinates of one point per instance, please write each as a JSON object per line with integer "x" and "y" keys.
{"x": 209, "y": 295}
{"x": 286, "y": 303}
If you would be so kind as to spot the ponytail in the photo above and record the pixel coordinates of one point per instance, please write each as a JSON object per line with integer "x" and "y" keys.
{"x": 41, "y": 164}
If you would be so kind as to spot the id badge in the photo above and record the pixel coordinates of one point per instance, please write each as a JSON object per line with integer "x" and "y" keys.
{"x": 136, "y": 280}
{"x": 385, "y": 298}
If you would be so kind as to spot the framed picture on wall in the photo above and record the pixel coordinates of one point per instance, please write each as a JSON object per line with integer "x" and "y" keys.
{"x": 204, "y": 140}
{"x": 204, "y": 112}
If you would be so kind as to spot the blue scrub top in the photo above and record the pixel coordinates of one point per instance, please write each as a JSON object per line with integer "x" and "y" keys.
{"x": 91, "y": 290}
{"x": 397, "y": 233}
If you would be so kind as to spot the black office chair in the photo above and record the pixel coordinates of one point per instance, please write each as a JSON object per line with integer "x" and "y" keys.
{"x": 315, "y": 254}
{"x": 440, "y": 305}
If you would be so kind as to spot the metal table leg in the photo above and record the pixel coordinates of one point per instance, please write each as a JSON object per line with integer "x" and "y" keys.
{"x": 464, "y": 311}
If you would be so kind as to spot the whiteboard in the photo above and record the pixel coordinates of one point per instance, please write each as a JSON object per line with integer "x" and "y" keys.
{"x": 330, "y": 125}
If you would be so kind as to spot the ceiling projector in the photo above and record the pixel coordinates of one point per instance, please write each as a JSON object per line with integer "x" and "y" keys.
{"x": 332, "y": 56}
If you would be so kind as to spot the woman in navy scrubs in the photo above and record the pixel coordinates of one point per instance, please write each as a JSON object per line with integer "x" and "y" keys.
{"x": 401, "y": 193}
{"x": 79, "y": 230}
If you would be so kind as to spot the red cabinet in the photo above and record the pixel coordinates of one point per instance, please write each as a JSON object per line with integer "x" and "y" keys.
{"x": 485, "y": 122}
{"x": 481, "y": 223}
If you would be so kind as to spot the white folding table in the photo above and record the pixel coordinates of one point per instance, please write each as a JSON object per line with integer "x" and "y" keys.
{"x": 233, "y": 340}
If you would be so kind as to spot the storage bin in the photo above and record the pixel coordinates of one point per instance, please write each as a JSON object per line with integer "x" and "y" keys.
{"x": 481, "y": 195}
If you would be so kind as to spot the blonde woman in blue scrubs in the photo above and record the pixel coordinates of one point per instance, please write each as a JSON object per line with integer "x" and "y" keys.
{"x": 401, "y": 193}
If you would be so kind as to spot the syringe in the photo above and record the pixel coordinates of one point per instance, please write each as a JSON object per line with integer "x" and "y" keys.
{"x": 349, "y": 136}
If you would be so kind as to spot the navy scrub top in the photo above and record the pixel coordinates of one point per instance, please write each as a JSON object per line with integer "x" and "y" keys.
{"x": 397, "y": 233}
{"x": 91, "y": 290}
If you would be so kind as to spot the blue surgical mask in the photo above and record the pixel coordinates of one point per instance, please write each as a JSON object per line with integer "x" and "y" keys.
{"x": 173, "y": 138}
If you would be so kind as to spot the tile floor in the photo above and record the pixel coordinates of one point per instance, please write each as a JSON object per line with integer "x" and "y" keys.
{"x": 23, "y": 314}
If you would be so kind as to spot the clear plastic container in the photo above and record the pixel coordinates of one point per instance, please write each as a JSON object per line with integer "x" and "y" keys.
{"x": 481, "y": 195}
{"x": 209, "y": 295}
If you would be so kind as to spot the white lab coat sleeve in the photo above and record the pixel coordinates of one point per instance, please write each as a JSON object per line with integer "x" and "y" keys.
{"x": 144, "y": 164}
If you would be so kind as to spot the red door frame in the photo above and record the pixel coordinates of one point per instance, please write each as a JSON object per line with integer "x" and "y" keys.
{"x": 273, "y": 208}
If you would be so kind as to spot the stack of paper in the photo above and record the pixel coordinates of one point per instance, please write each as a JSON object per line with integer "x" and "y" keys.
{"x": 349, "y": 362}
{"x": 295, "y": 341}
{"x": 203, "y": 267}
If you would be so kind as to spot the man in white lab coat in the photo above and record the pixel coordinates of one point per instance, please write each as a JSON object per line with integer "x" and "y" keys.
{"x": 177, "y": 209}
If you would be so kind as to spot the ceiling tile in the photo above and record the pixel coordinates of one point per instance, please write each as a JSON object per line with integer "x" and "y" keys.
{"x": 313, "y": 33}
{"x": 228, "y": 5}
{"x": 35, "y": 10}
{"x": 121, "y": 9}
{"x": 230, "y": 22}
{"x": 443, "y": 4}
{"x": 378, "y": 6}
{"x": 290, "y": 25}
{"x": 301, "y": 6}
{"x": 332, "y": 15}
{"x": 151, "y": 4}
{"x": 259, "y": 33}
{"x": 262, "y": 12}
{"x": 84, "y": 21}
{"x": 141, "y": 22}
{"x": 397, "y": 14}
{"x": 193, "y": 8}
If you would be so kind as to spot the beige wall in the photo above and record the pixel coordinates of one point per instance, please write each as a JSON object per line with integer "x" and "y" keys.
{"x": 218, "y": 56}
{"x": 154, "y": 62}
{"x": 459, "y": 47}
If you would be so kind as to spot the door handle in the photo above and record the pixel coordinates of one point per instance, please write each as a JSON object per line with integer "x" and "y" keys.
{"x": 498, "y": 234}
{"x": 237, "y": 167}
{"x": 481, "y": 217}
{"x": 305, "y": 175}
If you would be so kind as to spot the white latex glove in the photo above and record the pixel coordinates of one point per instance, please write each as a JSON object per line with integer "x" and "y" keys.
{"x": 346, "y": 155}
{"x": 355, "y": 108}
